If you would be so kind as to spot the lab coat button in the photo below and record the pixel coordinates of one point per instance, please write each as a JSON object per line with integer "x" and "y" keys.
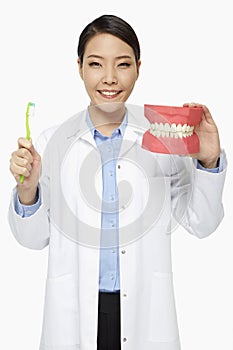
{"x": 124, "y": 340}
{"x": 124, "y": 295}
{"x": 118, "y": 166}
{"x": 123, "y": 252}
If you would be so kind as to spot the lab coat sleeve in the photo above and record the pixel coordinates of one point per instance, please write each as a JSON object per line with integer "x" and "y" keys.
{"x": 197, "y": 197}
{"x": 33, "y": 231}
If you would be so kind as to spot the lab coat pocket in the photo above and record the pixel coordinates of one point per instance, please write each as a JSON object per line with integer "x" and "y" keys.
{"x": 162, "y": 319}
{"x": 61, "y": 318}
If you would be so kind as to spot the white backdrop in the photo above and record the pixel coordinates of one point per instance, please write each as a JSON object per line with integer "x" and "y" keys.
{"x": 186, "y": 56}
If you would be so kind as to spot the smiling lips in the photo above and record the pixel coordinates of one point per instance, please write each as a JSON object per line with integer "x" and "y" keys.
{"x": 109, "y": 93}
{"x": 172, "y": 129}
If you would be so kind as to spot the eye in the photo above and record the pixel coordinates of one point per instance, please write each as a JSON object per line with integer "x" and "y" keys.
{"x": 124, "y": 64}
{"x": 94, "y": 64}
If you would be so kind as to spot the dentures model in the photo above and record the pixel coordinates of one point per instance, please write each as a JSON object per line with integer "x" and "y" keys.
{"x": 172, "y": 129}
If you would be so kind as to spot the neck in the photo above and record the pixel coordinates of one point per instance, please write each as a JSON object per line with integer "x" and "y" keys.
{"x": 107, "y": 117}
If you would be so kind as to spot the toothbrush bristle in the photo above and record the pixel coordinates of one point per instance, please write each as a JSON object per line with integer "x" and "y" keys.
{"x": 31, "y": 108}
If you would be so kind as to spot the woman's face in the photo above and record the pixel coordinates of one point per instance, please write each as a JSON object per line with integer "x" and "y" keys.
{"x": 109, "y": 69}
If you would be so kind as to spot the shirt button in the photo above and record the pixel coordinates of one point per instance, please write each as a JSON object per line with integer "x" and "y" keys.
{"x": 112, "y": 198}
{"x": 113, "y": 251}
{"x": 112, "y": 277}
{"x": 110, "y": 173}
{"x": 123, "y": 252}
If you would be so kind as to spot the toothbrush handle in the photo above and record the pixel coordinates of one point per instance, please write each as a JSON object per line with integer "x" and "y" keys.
{"x": 28, "y": 133}
{"x": 21, "y": 179}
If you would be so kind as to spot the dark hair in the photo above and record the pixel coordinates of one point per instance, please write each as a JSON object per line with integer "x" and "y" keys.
{"x": 112, "y": 25}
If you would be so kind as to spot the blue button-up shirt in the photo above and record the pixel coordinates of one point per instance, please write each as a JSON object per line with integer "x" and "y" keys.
{"x": 109, "y": 147}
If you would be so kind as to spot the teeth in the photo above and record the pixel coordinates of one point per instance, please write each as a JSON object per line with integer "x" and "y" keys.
{"x": 179, "y": 127}
{"x": 184, "y": 127}
{"x": 180, "y": 134}
{"x": 167, "y": 127}
{"x": 160, "y": 126}
{"x": 173, "y": 127}
{"x": 109, "y": 93}
{"x": 173, "y": 130}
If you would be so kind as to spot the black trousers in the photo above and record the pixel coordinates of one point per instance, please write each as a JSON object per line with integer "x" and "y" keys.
{"x": 109, "y": 336}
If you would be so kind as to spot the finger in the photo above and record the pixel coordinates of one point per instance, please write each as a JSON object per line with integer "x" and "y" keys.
{"x": 17, "y": 170}
{"x": 204, "y": 108}
{"x": 34, "y": 153}
{"x": 22, "y": 153}
{"x": 23, "y": 162}
{"x": 17, "y": 162}
{"x": 193, "y": 104}
{"x": 24, "y": 143}
{"x": 207, "y": 115}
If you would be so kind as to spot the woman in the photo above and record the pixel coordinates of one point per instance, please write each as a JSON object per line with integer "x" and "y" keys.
{"x": 104, "y": 205}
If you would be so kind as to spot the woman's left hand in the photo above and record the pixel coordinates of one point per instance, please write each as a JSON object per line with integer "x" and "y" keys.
{"x": 207, "y": 132}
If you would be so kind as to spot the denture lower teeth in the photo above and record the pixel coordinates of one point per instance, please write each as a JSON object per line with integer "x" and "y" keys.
{"x": 171, "y": 130}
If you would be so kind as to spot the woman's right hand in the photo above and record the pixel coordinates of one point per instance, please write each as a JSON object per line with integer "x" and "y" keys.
{"x": 26, "y": 161}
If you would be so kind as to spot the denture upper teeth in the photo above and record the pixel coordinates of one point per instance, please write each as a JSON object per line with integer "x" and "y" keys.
{"x": 109, "y": 93}
{"x": 171, "y": 130}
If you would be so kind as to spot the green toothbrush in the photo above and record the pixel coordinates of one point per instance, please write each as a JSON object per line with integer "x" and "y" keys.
{"x": 29, "y": 113}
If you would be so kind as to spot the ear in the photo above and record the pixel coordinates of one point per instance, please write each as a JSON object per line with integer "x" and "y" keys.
{"x": 138, "y": 67}
{"x": 80, "y": 68}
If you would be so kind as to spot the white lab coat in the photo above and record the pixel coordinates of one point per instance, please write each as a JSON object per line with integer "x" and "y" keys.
{"x": 153, "y": 190}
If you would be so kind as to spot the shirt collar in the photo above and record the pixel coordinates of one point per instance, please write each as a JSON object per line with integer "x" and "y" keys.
{"x": 93, "y": 130}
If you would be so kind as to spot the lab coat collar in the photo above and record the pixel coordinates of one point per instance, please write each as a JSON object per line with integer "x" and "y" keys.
{"x": 136, "y": 126}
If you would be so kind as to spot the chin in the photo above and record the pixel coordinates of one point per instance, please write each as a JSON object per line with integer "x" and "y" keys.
{"x": 172, "y": 129}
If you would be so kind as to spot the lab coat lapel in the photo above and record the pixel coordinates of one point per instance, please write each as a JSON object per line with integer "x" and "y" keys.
{"x": 80, "y": 130}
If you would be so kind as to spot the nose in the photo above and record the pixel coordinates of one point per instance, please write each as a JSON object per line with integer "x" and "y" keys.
{"x": 109, "y": 76}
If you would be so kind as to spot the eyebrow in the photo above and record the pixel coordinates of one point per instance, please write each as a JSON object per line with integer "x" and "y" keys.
{"x": 118, "y": 57}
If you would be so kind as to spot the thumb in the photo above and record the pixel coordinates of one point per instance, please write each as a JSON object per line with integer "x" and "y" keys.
{"x": 34, "y": 152}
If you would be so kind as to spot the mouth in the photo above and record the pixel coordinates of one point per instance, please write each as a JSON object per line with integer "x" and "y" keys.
{"x": 109, "y": 94}
{"x": 172, "y": 129}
